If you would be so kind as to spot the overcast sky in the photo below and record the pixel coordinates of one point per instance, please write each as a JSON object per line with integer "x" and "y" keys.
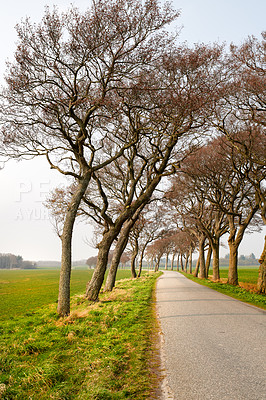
{"x": 25, "y": 226}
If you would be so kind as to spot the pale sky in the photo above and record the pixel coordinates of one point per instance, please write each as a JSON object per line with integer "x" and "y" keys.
{"x": 25, "y": 226}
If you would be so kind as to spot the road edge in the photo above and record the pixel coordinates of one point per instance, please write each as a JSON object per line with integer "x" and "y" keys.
{"x": 164, "y": 391}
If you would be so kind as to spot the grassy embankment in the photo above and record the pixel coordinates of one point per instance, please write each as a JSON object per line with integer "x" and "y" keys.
{"x": 101, "y": 351}
{"x": 246, "y": 291}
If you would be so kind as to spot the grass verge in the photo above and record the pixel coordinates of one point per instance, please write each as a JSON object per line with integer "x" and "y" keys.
{"x": 236, "y": 292}
{"x": 100, "y": 351}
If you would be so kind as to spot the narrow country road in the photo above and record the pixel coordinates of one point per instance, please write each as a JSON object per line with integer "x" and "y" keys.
{"x": 214, "y": 347}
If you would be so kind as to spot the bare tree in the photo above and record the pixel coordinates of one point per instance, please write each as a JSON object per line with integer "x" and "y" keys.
{"x": 157, "y": 249}
{"x": 152, "y": 228}
{"x": 241, "y": 117}
{"x": 61, "y": 98}
{"x": 167, "y": 117}
{"x": 183, "y": 243}
{"x": 164, "y": 110}
{"x": 216, "y": 167}
{"x": 193, "y": 212}
{"x": 118, "y": 253}
{"x": 91, "y": 262}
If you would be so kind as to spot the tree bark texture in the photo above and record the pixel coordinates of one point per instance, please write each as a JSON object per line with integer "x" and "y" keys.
{"x": 202, "y": 266}
{"x": 95, "y": 284}
{"x": 215, "y": 262}
{"x": 166, "y": 261}
{"x": 177, "y": 262}
{"x": 140, "y": 262}
{"x": 172, "y": 261}
{"x": 152, "y": 266}
{"x": 186, "y": 262}
{"x": 232, "y": 271}
{"x": 190, "y": 260}
{"x": 157, "y": 265}
{"x": 208, "y": 260}
{"x": 63, "y": 307}
{"x": 196, "y": 272}
{"x": 261, "y": 285}
{"x": 119, "y": 248}
{"x": 235, "y": 238}
{"x": 133, "y": 259}
{"x": 181, "y": 262}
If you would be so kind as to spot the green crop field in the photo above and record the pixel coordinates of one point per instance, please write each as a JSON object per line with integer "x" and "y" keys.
{"x": 245, "y": 274}
{"x": 22, "y": 291}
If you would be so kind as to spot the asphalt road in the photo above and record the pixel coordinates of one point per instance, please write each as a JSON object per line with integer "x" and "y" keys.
{"x": 214, "y": 347}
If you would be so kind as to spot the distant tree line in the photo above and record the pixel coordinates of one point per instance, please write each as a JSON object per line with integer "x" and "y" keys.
{"x": 10, "y": 261}
{"x": 57, "y": 264}
{"x": 242, "y": 260}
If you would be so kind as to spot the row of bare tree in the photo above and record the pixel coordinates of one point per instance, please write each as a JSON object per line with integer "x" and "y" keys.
{"x": 114, "y": 103}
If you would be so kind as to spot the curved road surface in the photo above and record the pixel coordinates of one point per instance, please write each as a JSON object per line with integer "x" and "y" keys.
{"x": 214, "y": 346}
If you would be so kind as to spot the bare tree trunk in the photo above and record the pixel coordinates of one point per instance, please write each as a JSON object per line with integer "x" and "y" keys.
{"x": 186, "y": 262}
{"x": 166, "y": 261}
{"x": 202, "y": 267}
{"x": 261, "y": 285}
{"x": 133, "y": 259}
{"x": 196, "y": 272}
{"x": 190, "y": 260}
{"x": 152, "y": 263}
{"x": 140, "y": 262}
{"x": 181, "y": 262}
{"x": 157, "y": 264}
{"x": 233, "y": 253}
{"x": 177, "y": 262}
{"x": 63, "y": 307}
{"x": 119, "y": 248}
{"x": 234, "y": 242}
{"x": 172, "y": 261}
{"x": 95, "y": 284}
{"x": 232, "y": 271}
{"x": 208, "y": 260}
{"x": 215, "y": 266}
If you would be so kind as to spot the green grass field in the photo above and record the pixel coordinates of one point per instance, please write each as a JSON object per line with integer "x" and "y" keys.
{"x": 245, "y": 274}
{"x": 22, "y": 291}
{"x": 102, "y": 351}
